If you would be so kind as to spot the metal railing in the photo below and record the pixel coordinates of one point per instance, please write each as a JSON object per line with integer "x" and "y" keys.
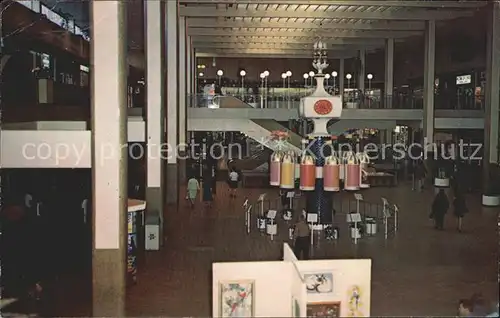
{"x": 284, "y": 101}
{"x": 383, "y": 215}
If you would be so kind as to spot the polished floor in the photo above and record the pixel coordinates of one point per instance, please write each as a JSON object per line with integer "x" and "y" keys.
{"x": 417, "y": 272}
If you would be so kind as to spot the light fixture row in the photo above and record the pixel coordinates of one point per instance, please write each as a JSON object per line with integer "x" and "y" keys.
{"x": 334, "y": 74}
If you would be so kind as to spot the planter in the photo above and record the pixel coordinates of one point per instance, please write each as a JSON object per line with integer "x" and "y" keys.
{"x": 491, "y": 200}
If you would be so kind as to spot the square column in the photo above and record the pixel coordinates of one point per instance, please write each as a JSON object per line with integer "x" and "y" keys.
{"x": 155, "y": 123}
{"x": 429, "y": 76}
{"x": 182, "y": 124}
{"x": 171, "y": 19}
{"x": 362, "y": 70}
{"x": 109, "y": 157}
{"x": 341, "y": 76}
{"x": 189, "y": 75}
{"x": 492, "y": 94}
{"x": 389, "y": 72}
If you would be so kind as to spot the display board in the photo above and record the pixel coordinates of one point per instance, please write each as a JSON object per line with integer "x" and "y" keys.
{"x": 257, "y": 289}
{"x": 337, "y": 288}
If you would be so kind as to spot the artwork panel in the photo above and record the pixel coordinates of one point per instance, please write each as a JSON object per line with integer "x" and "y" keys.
{"x": 319, "y": 282}
{"x": 237, "y": 298}
{"x": 329, "y": 309}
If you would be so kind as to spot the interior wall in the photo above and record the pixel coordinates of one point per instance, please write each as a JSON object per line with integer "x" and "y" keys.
{"x": 272, "y": 285}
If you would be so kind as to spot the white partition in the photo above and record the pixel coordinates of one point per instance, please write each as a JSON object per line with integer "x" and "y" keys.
{"x": 45, "y": 149}
{"x": 288, "y": 254}
{"x": 267, "y": 289}
{"x": 343, "y": 284}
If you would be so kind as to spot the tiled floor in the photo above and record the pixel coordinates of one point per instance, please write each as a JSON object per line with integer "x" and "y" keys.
{"x": 417, "y": 272}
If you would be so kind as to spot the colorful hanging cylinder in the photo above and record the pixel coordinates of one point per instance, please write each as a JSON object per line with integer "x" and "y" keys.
{"x": 331, "y": 174}
{"x": 352, "y": 172}
{"x": 275, "y": 169}
{"x": 364, "y": 160}
{"x": 288, "y": 171}
{"x": 307, "y": 173}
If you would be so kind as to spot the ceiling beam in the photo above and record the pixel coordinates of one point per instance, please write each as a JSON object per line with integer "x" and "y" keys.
{"x": 240, "y": 55}
{"x": 394, "y": 25}
{"x": 387, "y": 3}
{"x": 296, "y": 40}
{"x": 413, "y": 15}
{"x": 268, "y": 51}
{"x": 323, "y": 35}
{"x": 296, "y": 46}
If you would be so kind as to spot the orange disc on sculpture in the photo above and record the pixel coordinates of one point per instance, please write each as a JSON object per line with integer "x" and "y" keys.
{"x": 323, "y": 107}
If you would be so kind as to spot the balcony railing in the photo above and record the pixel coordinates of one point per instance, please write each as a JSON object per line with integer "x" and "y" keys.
{"x": 283, "y": 101}
{"x": 65, "y": 23}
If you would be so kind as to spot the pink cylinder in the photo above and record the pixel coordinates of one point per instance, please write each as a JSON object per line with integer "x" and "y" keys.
{"x": 351, "y": 181}
{"x": 275, "y": 172}
{"x": 331, "y": 178}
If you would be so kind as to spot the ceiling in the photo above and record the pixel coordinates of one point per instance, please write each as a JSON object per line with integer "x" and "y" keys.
{"x": 287, "y": 28}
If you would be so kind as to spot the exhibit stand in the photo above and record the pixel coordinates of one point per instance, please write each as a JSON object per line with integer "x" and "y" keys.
{"x": 334, "y": 288}
{"x": 292, "y": 288}
{"x": 135, "y": 219}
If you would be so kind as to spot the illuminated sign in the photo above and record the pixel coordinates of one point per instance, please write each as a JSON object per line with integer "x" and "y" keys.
{"x": 464, "y": 79}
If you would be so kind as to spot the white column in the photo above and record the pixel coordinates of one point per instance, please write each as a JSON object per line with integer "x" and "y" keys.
{"x": 389, "y": 67}
{"x": 189, "y": 75}
{"x": 492, "y": 93}
{"x": 109, "y": 156}
{"x": 429, "y": 77}
{"x": 171, "y": 24}
{"x": 155, "y": 115}
{"x": 362, "y": 70}
{"x": 341, "y": 76}
{"x": 182, "y": 81}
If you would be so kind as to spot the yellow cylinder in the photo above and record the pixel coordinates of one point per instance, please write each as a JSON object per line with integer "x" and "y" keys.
{"x": 287, "y": 171}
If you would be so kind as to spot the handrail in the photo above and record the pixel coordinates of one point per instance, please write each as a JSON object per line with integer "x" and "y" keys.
{"x": 283, "y": 101}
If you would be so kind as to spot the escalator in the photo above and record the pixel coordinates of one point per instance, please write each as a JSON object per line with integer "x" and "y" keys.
{"x": 260, "y": 130}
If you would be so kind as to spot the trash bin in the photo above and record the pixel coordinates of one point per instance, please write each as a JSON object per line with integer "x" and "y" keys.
{"x": 152, "y": 232}
{"x": 370, "y": 226}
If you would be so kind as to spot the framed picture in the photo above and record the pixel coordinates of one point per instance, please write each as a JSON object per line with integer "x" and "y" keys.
{"x": 330, "y": 309}
{"x": 319, "y": 283}
{"x": 237, "y": 298}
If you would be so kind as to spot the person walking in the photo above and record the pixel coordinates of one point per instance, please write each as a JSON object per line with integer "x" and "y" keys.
{"x": 440, "y": 207}
{"x": 233, "y": 183}
{"x": 302, "y": 236}
{"x": 193, "y": 187}
{"x": 459, "y": 209}
{"x": 207, "y": 192}
{"x": 420, "y": 174}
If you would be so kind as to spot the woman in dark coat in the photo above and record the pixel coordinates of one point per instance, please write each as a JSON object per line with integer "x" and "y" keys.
{"x": 207, "y": 192}
{"x": 459, "y": 209}
{"x": 440, "y": 207}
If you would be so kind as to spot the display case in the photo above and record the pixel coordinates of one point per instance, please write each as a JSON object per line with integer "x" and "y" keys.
{"x": 135, "y": 222}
